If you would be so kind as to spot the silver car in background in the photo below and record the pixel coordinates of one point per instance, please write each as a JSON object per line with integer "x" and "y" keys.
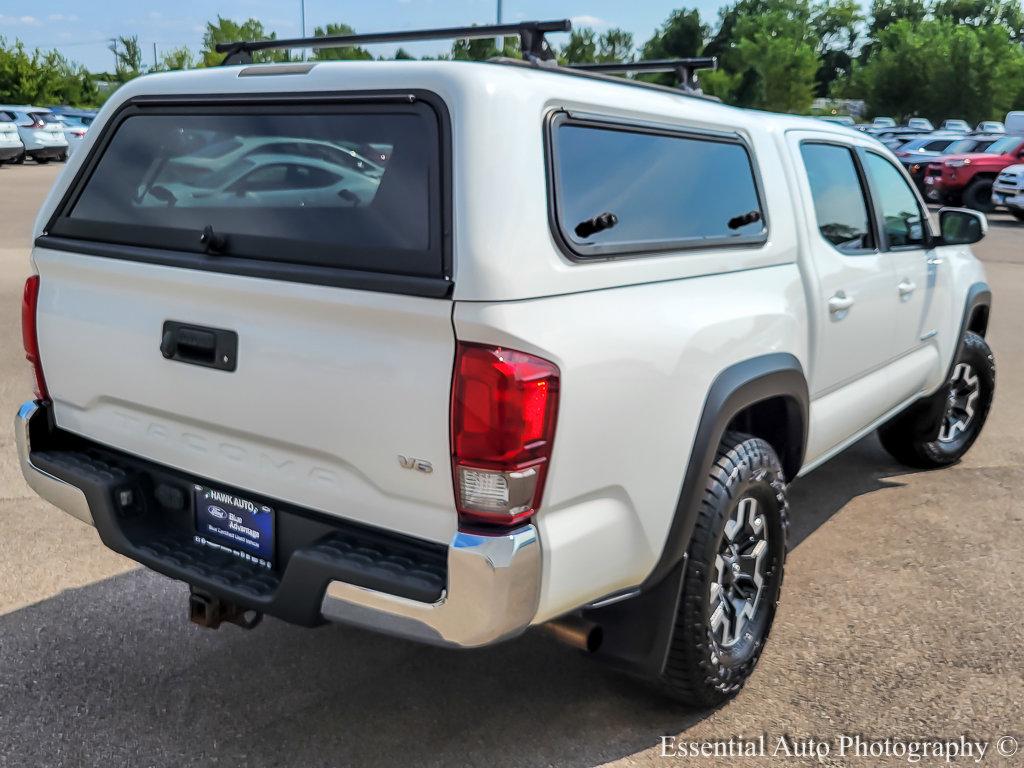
{"x": 76, "y": 124}
{"x": 40, "y": 131}
{"x": 11, "y": 148}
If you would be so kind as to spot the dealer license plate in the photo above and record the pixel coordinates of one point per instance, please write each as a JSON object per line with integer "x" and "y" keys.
{"x": 235, "y": 525}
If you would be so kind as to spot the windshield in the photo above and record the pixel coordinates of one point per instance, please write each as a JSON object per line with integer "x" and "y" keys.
{"x": 1003, "y": 146}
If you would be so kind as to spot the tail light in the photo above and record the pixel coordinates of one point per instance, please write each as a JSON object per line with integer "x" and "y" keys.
{"x": 503, "y": 412}
{"x": 30, "y": 335}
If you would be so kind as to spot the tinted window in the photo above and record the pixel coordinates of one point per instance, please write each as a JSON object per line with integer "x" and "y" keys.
{"x": 938, "y": 145}
{"x": 164, "y": 178}
{"x": 896, "y": 202}
{"x": 1005, "y": 145}
{"x": 839, "y": 203}
{"x": 665, "y": 191}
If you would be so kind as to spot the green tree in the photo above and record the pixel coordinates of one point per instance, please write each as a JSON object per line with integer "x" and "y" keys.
{"x": 581, "y": 48}
{"x": 351, "y": 52}
{"x": 681, "y": 36}
{"x": 767, "y": 52}
{"x": 42, "y": 78}
{"x": 482, "y": 49}
{"x": 939, "y": 68}
{"x": 837, "y": 27}
{"x": 615, "y": 45}
{"x": 228, "y": 31}
{"x": 175, "y": 59}
{"x": 128, "y": 56}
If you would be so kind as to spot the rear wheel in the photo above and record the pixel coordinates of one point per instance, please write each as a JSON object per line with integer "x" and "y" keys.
{"x": 1017, "y": 214}
{"x": 19, "y": 159}
{"x": 939, "y": 430}
{"x": 978, "y": 195}
{"x": 733, "y": 574}
{"x": 42, "y": 160}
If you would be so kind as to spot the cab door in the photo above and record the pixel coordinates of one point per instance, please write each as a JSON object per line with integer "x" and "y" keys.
{"x": 920, "y": 296}
{"x": 850, "y": 280}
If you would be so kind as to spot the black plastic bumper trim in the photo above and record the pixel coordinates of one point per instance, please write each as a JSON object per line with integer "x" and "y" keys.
{"x": 154, "y": 526}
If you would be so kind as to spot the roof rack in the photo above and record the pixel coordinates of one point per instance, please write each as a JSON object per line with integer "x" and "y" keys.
{"x": 683, "y": 69}
{"x": 531, "y": 39}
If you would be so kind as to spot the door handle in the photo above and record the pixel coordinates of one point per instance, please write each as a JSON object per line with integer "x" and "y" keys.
{"x": 906, "y": 287}
{"x": 934, "y": 261}
{"x": 197, "y": 345}
{"x": 840, "y": 302}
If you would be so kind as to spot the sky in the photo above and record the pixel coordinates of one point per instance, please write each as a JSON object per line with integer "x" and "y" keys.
{"x": 81, "y": 29}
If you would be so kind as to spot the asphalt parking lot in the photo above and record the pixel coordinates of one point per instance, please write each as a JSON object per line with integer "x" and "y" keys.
{"x": 901, "y": 617}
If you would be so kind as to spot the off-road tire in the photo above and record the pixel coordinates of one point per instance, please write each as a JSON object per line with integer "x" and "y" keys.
{"x": 913, "y": 437}
{"x": 978, "y": 196}
{"x": 700, "y": 672}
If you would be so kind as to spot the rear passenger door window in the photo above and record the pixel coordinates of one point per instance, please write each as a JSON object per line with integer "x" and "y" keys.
{"x": 840, "y": 204}
{"x": 650, "y": 189}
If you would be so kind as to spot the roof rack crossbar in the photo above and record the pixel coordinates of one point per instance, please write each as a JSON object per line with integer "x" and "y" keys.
{"x": 530, "y": 33}
{"x": 683, "y": 69}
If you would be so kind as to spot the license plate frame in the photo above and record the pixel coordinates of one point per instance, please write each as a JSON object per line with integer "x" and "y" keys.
{"x": 234, "y": 524}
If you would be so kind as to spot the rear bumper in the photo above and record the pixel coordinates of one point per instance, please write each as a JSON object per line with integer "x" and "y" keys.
{"x": 48, "y": 152}
{"x": 9, "y": 153}
{"x": 479, "y": 590}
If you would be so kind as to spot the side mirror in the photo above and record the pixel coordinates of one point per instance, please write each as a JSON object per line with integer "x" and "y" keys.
{"x": 961, "y": 226}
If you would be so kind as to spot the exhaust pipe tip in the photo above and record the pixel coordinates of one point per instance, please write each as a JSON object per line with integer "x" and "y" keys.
{"x": 577, "y": 632}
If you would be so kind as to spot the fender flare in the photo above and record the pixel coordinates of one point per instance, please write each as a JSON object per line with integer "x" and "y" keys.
{"x": 737, "y": 387}
{"x": 978, "y": 295}
{"x": 637, "y": 631}
{"x": 923, "y": 412}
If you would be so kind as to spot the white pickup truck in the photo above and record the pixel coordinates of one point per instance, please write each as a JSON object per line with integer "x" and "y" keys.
{"x": 449, "y": 350}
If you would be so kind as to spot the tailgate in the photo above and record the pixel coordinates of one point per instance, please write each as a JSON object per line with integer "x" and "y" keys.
{"x": 266, "y": 221}
{"x": 331, "y": 385}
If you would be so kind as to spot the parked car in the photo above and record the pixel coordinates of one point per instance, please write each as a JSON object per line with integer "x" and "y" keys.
{"x": 967, "y": 178}
{"x": 990, "y": 126}
{"x": 932, "y": 166}
{"x": 41, "y": 133}
{"x": 839, "y": 120}
{"x": 452, "y": 412}
{"x": 955, "y": 125}
{"x": 260, "y": 181}
{"x": 917, "y": 153}
{"x": 11, "y": 148}
{"x": 1008, "y": 190}
{"x": 76, "y": 124}
{"x": 894, "y": 138}
{"x": 883, "y": 122}
{"x": 920, "y": 124}
{"x": 226, "y": 152}
{"x": 82, "y": 116}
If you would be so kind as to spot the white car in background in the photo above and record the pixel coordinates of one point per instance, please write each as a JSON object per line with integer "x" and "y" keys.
{"x": 11, "y": 148}
{"x": 1008, "y": 190}
{"x": 41, "y": 133}
{"x": 990, "y": 126}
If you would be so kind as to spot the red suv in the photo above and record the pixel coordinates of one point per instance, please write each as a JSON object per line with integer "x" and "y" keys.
{"x": 967, "y": 179}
